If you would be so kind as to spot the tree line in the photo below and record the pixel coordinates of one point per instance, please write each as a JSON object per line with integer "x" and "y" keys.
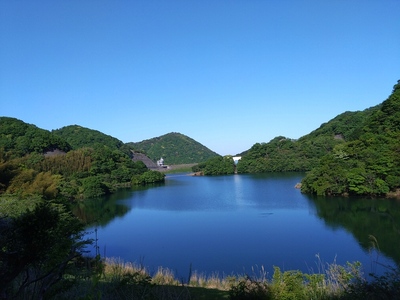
{"x": 355, "y": 153}
{"x": 367, "y": 165}
{"x": 101, "y": 166}
{"x": 218, "y": 165}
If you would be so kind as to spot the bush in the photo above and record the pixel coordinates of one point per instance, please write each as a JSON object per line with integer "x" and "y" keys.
{"x": 37, "y": 249}
{"x": 148, "y": 177}
{"x": 248, "y": 288}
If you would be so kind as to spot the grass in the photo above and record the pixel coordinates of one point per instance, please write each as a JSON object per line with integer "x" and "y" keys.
{"x": 122, "y": 280}
{"x": 184, "y": 168}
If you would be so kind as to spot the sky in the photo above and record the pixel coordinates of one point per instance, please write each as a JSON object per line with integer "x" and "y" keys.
{"x": 227, "y": 73}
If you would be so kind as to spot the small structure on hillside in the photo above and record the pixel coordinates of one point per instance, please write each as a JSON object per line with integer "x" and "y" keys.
{"x": 137, "y": 156}
{"x": 160, "y": 162}
{"x": 236, "y": 159}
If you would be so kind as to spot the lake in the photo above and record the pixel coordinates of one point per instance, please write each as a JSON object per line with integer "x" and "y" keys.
{"x": 236, "y": 224}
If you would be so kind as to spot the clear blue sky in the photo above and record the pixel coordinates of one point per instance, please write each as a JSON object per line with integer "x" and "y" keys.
{"x": 225, "y": 73}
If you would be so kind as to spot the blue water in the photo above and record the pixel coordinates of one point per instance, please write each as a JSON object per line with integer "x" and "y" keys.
{"x": 227, "y": 225}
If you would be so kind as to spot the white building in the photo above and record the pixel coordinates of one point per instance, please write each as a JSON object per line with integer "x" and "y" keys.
{"x": 236, "y": 159}
{"x": 160, "y": 162}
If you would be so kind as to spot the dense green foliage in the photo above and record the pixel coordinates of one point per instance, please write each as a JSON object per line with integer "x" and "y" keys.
{"x": 148, "y": 177}
{"x": 78, "y": 174}
{"x": 354, "y": 153}
{"x": 174, "y": 148}
{"x": 97, "y": 165}
{"x": 38, "y": 248}
{"x": 282, "y": 154}
{"x": 218, "y": 165}
{"x": 80, "y": 137}
{"x": 41, "y": 253}
{"x": 366, "y": 165}
{"x": 331, "y": 282}
{"x": 18, "y": 138}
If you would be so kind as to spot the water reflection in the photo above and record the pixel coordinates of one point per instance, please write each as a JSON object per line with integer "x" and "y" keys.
{"x": 101, "y": 211}
{"x": 363, "y": 218}
{"x": 232, "y": 223}
{"x": 238, "y": 190}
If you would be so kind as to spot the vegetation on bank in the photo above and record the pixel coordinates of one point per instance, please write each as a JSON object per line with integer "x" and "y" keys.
{"x": 39, "y": 253}
{"x": 367, "y": 165}
{"x": 218, "y": 165}
{"x": 283, "y": 154}
{"x": 175, "y": 148}
{"x": 356, "y": 153}
{"x": 34, "y": 161}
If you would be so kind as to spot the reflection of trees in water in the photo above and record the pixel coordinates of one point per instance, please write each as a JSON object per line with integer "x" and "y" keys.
{"x": 363, "y": 218}
{"x": 100, "y": 211}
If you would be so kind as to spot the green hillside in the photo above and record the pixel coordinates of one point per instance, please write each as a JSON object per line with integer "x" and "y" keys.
{"x": 18, "y": 138}
{"x": 354, "y": 153}
{"x": 36, "y": 162}
{"x": 369, "y": 164}
{"x": 174, "y": 148}
{"x": 79, "y": 137}
{"x": 283, "y": 154}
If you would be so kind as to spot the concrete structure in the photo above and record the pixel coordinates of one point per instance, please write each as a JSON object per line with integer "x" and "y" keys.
{"x": 236, "y": 159}
{"x": 160, "y": 162}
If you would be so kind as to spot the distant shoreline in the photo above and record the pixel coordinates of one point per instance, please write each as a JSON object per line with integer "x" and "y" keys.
{"x": 176, "y": 168}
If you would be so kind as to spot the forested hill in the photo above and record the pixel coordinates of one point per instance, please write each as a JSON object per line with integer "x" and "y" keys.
{"x": 354, "y": 153}
{"x": 95, "y": 165}
{"x": 18, "y": 138}
{"x": 79, "y": 137}
{"x": 283, "y": 154}
{"x": 174, "y": 148}
{"x": 367, "y": 164}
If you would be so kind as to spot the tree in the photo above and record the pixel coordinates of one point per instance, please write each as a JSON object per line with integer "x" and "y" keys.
{"x": 37, "y": 249}
{"x": 368, "y": 165}
{"x": 148, "y": 177}
{"x": 217, "y": 165}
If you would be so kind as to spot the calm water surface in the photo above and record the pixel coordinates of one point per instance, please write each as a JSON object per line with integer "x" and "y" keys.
{"x": 231, "y": 224}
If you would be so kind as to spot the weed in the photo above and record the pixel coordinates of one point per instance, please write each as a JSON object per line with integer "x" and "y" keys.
{"x": 164, "y": 276}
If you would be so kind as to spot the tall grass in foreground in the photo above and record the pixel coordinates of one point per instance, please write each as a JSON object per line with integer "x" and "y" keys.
{"x": 124, "y": 280}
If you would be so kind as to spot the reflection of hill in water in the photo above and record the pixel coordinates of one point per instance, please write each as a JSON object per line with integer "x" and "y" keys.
{"x": 364, "y": 217}
{"x": 100, "y": 211}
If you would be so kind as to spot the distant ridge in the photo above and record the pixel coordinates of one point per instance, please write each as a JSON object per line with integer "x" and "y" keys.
{"x": 79, "y": 136}
{"x": 174, "y": 148}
